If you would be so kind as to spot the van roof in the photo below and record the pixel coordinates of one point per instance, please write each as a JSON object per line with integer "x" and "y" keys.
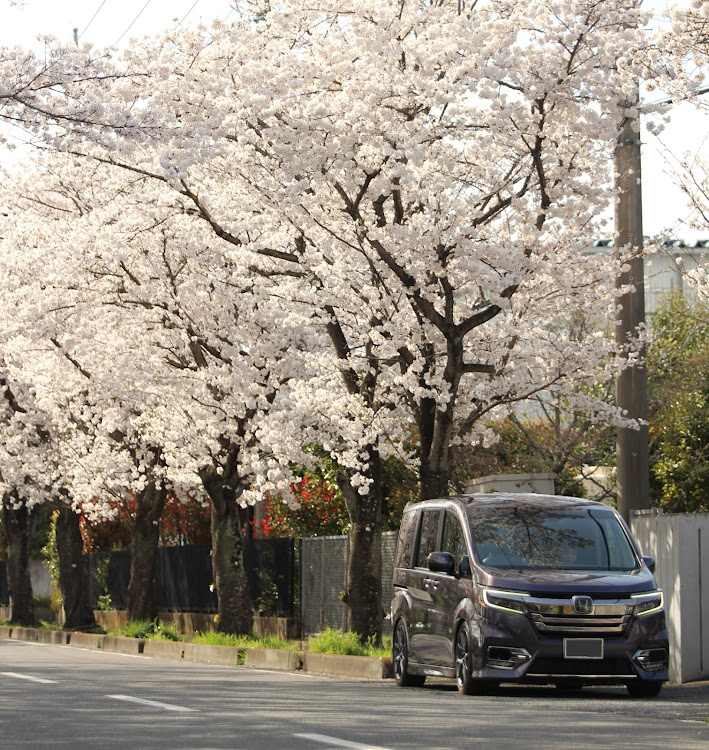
{"x": 514, "y": 499}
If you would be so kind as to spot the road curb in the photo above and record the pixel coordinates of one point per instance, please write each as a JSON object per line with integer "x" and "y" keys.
{"x": 228, "y": 656}
{"x": 117, "y": 644}
{"x": 86, "y": 640}
{"x": 335, "y": 665}
{"x": 284, "y": 660}
{"x": 272, "y": 658}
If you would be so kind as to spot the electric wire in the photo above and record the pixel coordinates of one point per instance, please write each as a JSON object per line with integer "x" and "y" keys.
{"x": 187, "y": 14}
{"x": 92, "y": 19}
{"x": 140, "y": 13}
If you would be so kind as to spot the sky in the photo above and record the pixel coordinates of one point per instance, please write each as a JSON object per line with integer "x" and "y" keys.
{"x": 110, "y": 22}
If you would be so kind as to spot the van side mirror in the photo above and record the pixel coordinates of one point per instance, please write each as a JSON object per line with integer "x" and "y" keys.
{"x": 650, "y": 562}
{"x": 441, "y": 562}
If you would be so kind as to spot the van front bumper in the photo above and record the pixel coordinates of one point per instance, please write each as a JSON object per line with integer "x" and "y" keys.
{"x": 512, "y": 650}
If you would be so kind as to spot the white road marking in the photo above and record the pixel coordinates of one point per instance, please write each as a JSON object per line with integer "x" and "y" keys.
{"x": 155, "y": 704}
{"x": 28, "y": 677}
{"x": 335, "y": 742}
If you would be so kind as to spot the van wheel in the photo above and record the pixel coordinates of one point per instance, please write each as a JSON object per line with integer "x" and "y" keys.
{"x": 400, "y": 658}
{"x": 644, "y": 688}
{"x": 464, "y": 661}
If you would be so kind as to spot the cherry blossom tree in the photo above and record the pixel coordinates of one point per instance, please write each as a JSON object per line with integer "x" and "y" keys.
{"x": 429, "y": 169}
{"x": 422, "y": 179}
{"x": 174, "y": 364}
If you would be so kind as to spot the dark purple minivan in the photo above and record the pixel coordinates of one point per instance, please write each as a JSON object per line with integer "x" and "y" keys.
{"x": 525, "y": 588}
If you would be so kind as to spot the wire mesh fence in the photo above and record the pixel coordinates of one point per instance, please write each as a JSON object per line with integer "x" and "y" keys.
{"x": 323, "y": 578}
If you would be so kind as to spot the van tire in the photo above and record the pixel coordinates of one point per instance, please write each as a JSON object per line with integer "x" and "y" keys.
{"x": 467, "y": 685}
{"x": 400, "y": 657}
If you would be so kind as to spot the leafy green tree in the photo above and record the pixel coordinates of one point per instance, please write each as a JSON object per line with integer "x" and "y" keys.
{"x": 678, "y": 368}
{"x": 555, "y": 440}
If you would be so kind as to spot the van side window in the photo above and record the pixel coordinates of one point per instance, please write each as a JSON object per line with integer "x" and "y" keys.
{"x": 453, "y": 538}
{"x": 429, "y": 536}
{"x": 406, "y": 540}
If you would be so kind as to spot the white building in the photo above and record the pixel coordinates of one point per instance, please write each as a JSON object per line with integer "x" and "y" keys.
{"x": 664, "y": 267}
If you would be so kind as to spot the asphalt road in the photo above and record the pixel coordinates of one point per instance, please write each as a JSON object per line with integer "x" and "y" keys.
{"x": 61, "y": 697}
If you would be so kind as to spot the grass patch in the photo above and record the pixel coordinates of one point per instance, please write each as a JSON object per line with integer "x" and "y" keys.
{"x": 272, "y": 641}
{"x": 347, "y": 644}
{"x": 328, "y": 642}
{"x": 242, "y": 641}
{"x": 165, "y": 632}
{"x": 209, "y": 638}
{"x": 46, "y": 625}
{"x": 147, "y": 629}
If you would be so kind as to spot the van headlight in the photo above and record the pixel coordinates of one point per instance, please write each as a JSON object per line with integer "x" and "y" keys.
{"x": 511, "y": 601}
{"x": 646, "y": 604}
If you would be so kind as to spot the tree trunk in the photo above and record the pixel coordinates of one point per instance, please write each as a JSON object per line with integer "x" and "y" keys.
{"x": 142, "y": 596}
{"x": 73, "y": 572}
{"x": 363, "y": 596}
{"x": 17, "y": 525}
{"x": 230, "y": 582}
{"x": 435, "y": 429}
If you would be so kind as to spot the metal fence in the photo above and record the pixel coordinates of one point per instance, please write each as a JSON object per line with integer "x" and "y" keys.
{"x": 4, "y": 594}
{"x": 323, "y": 577}
{"x": 184, "y": 577}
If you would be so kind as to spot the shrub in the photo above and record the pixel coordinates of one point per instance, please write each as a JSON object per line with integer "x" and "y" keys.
{"x": 220, "y": 639}
{"x": 349, "y": 644}
{"x": 148, "y": 629}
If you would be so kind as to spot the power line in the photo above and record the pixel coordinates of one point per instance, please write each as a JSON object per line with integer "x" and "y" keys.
{"x": 186, "y": 14}
{"x": 132, "y": 22}
{"x": 92, "y": 20}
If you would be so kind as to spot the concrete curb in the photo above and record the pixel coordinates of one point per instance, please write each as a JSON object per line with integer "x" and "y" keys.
{"x": 335, "y": 665}
{"x": 36, "y": 635}
{"x": 86, "y": 640}
{"x": 120, "y": 645}
{"x": 24, "y": 634}
{"x": 228, "y": 656}
{"x": 285, "y": 660}
{"x": 173, "y": 650}
{"x": 282, "y": 660}
{"x": 56, "y": 637}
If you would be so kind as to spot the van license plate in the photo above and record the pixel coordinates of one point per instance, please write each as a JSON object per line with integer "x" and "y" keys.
{"x": 583, "y": 648}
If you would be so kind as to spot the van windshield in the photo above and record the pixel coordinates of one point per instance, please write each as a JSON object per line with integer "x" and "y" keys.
{"x": 533, "y": 538}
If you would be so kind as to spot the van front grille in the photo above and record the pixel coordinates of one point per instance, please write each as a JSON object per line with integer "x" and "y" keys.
{"x": 561, "y": 616}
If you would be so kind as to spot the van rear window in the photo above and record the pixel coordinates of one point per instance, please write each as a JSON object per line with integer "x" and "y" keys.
{"x": 538, "y": 538}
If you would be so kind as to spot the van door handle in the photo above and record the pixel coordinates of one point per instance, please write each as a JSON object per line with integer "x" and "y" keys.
{"x": 430, "y": 582}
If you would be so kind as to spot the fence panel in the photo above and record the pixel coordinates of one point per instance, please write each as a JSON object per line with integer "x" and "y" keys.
{"x": 184, "y": 577}
{"x": 323, "y": 577}
{"x": 270, "y": 567}
{"x": 4, "y": 594}
{"x": 388, "y": 550}
{"x": 680, "y": 545}
{"x": 324, "y": 563}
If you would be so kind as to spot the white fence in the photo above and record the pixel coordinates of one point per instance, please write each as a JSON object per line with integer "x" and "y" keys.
{"x": 680, "y": 545}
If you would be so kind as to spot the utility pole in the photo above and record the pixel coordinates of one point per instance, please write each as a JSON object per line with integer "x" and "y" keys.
{"x": 633, "y": 467}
